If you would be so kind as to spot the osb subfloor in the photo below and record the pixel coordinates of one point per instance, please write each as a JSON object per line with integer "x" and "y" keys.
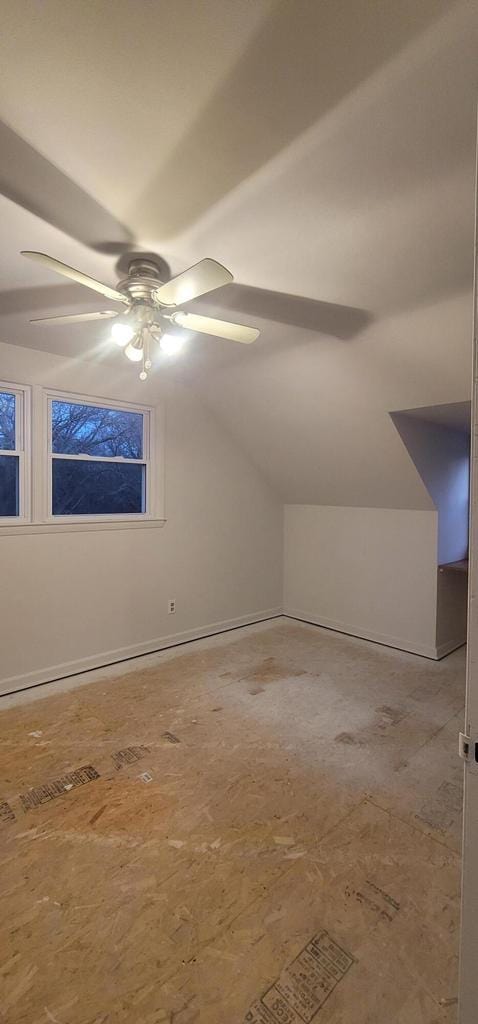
{"x": 270, "y": 834}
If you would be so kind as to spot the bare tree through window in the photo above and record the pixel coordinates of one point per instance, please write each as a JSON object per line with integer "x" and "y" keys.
{"x": 94, "y": 485}
{"x": 7, "y": 421}
{"x": 9, "y": 464}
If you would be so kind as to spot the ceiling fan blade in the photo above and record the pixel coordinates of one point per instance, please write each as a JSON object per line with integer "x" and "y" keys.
{"x": 339, "y": 321}
{"x": 218, "y": 328}
{"x": 76, "y": 275}
{"x": 75, "y": 318}
{"x": 32, "y": 182}
{"x": 203, "y": 277}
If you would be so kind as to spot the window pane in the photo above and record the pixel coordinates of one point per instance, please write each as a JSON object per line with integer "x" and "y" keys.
{"x": 9, "y": 473}
{"x": 7, "y": 421}
{"x": 97, "y": 488}
{"x": 91, "y": 430}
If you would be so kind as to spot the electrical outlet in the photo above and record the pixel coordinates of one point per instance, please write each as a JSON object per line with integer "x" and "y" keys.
{"x": 171, "y": 605}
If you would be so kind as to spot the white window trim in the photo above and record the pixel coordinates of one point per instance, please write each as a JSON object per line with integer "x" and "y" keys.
{"x": 148, "y": 459}
{"x": 36, "y": 457}
{"x": 22, "y": 452}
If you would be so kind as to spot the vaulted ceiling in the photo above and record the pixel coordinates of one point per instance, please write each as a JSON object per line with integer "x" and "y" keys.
{"x": 323, "y": 151}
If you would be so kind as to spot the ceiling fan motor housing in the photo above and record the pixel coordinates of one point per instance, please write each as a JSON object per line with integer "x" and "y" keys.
{"x": 143, "y": 272}
{"x": 142, "y": 281}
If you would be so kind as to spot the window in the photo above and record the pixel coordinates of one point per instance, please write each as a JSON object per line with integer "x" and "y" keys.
{"x": 14, "y": 476}
{"x": 83, "y": 463}
{"x": 99, "y": 459}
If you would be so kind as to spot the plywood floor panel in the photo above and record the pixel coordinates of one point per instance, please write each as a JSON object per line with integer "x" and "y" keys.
{"x": 278, "y": 791}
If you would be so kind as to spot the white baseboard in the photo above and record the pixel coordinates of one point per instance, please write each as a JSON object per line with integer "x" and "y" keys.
{"x": 448, "y": 647}
{"x": 424, "y": 650}
{"x": 72, "y": 668}
{"x": 119, "y": 654}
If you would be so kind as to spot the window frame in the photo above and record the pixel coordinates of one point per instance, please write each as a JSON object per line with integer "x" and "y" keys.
{"x": 148, "y": 460}
{"x": 21, "y": 451}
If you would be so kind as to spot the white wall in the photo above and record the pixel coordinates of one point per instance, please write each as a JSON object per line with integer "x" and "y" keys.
{"x": 74, "y": 600}
{"x": 313, "y": 411}
{"x": 366, "y": 571}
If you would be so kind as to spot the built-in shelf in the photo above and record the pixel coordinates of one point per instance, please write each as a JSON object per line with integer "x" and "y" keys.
{"x": 461, "y": 567}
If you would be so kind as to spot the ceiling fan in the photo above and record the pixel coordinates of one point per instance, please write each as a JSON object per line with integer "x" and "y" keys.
{"x": 153, "y": 306}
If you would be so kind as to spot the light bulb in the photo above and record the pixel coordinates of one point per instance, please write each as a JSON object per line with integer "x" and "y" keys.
{"x": 147, "y": 364}
{"x": 122, "y": 333}
{"x": 134, "y": 350}
{"x": 171, "y": 344}
{"x": 143, "y": 375}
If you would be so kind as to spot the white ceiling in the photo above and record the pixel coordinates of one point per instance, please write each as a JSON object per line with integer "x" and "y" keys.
{"x": 324, "y": 151}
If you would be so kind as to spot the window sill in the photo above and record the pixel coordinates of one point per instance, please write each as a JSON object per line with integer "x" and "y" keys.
{"x": 78, "y": 527}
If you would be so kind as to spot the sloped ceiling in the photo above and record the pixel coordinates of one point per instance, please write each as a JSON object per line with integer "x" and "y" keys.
{"x": 324, "y": 152}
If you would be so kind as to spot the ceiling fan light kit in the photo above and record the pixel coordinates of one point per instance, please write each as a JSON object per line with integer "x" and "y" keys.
{"x": 124, "y": 328}
{"x": 122, "y": 333}
{"x": 134, "y": 351}
{"x": 152, "y": 305}
{"x": 171, "y": 344}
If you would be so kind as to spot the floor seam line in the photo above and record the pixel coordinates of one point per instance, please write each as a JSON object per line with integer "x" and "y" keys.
{"x": 345, "y": 817}
{"x": 434, "y": 735}
{"x": 415, "y": 828}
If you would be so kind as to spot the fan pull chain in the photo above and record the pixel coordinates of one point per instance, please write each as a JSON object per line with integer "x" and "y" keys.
{"x": 143, "y": 375}
{"x": 147, "y": 350}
